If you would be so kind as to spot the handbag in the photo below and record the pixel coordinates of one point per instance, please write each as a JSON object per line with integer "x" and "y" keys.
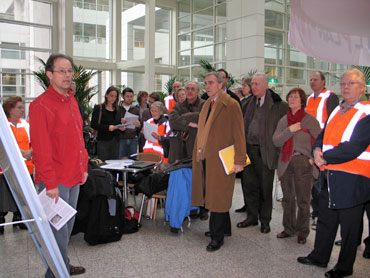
{"x": 92, "y": 143}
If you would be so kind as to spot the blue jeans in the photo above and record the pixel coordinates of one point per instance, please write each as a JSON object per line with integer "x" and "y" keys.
{"x": 127, "y": 147}
{"x": 70, "y": 195}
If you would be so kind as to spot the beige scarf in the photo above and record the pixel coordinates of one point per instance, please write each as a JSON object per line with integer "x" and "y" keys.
{"x": 204, "y": 127}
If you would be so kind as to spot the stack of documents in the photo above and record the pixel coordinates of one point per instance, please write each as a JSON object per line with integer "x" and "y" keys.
{"x": 117, "y": 164}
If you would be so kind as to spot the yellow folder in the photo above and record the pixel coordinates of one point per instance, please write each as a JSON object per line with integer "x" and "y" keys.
{"x": 227, "y": 158}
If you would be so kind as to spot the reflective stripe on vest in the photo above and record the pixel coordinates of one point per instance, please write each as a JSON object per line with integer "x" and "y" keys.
{"x": 155, "y": 147}
{"x": 317, "y": 107}
{"x": 169, "y": 102}
{"x": 339, "y": 129}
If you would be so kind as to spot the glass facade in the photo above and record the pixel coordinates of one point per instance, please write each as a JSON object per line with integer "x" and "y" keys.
{"x": 26, "y": 36}
{"x": 201, "y": 36}
{"x": 110, "y": 36}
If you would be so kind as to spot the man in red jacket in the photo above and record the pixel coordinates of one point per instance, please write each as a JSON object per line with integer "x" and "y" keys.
{"x": 59, "y": 152}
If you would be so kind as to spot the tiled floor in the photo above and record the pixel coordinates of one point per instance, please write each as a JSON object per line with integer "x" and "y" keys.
{"x": 155, "y": 252}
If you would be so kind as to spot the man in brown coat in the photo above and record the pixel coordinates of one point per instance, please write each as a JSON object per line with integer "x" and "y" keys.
{"x": 184, "y": 123}
{"x": 220, "y": 125}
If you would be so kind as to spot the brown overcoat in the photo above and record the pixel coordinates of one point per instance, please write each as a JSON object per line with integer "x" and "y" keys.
{"x": 226, "y": 128}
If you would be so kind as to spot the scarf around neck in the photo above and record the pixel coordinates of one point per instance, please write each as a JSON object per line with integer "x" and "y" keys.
{"x": 287, "y": 149}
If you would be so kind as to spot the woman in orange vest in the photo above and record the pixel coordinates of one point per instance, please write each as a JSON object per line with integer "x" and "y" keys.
{"x": 14, "y": 110}
{"x": 161, "y": 146}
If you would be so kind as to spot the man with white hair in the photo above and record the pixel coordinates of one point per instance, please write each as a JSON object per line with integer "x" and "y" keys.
{"x": 345, "y": 185}
{"x": 262, "y": 114}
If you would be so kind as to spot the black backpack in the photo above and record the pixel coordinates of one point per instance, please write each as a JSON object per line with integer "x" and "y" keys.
{"x": 106, "y": 220}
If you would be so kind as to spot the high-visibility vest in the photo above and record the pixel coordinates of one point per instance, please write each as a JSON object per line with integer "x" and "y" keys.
{"x": 22, "y": 135}
{"x": 339, "y": 129}
{"x": 154, "y": 147}
{"x": 169, "y": 102}
{"x": 317, "y": 107}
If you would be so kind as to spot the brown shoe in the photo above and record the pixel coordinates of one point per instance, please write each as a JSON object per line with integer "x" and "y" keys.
{"x": 76, "y": 270}
{"x": 301, "y": 240}
{"x": 283, "y": 234}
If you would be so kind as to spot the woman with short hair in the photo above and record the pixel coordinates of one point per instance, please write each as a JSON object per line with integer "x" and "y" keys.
{"x": 295, "y": 134}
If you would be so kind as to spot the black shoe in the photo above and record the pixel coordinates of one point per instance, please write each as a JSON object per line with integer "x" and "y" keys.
{"x": 208, "y": 234}
{"x": 336, "y": 273}
{"x": 308, "y": 261}
{"x": 246, "y": 223}
{"x": 21, "y": 226}
{"x": 338, "y": 243}
{"x": 265, "y": 228}
{"x": 76, "y": 270}
{"x": 174, "y": 230}
{"x": 203, "y": 215}
{"x": 242, "y": 209}
{"x": 214, "y": 245}
{"x": 2, "y": 221}
{"x": 366, "y": 253}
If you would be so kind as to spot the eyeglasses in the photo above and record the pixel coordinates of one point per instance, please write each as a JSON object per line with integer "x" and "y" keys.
{"x": 350, "y": 84}
{"x": 294, "y": 96}
{"x": 64, "y": 72}
{"x": 191, "y": 89}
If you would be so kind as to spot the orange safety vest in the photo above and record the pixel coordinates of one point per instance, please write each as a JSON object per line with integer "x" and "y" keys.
{"x": 339, "y": 129}
{"x": 169, "y": 102}
{"x": 317, "y": 107}
{"x": 22, "y": 136}
{"x": 155, "y": 147}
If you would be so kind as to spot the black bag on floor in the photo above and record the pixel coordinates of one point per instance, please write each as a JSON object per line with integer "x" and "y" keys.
{"x": 106, "y": 221}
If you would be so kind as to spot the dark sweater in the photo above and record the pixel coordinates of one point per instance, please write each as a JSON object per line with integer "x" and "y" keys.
{"x": 107, "y": 119}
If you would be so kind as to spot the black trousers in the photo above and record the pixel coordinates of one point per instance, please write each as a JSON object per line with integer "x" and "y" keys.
{"x": 257, "y": 185}
{"x": 219, "y": 224}
{"x": 329, "y": 219}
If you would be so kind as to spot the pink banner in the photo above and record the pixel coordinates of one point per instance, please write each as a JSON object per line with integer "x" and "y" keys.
{"x": 336, "y": 31}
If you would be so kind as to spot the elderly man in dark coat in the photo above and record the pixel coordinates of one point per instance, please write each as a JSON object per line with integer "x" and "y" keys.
{"x": 220, "y": 125}
{"x": 262, "y": 114}
{"x": 184, "y": 123}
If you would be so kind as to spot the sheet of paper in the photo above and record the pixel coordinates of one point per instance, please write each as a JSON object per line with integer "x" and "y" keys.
{"x": 59, "y": 213}
{"x": 148, "y": 129}
{"x": 118, "y": 164}
{"x": 130, "y": 119}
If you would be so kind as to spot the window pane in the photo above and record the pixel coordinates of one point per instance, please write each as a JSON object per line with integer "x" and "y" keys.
{"x": 276, "y": 5}
{"x": 221, "y": 13}
{"x": 184, "y": 8}
{"x": 274, "y": 19}
{"x": 184, "y": 58}
{"x": 28, "y": 11}
{"x": 134, "y": 80}
{"x": 196, "y": 73}
{"x": 203, "y": 53}
{"x": 273, "y": 38}
{"x": 296, "y": 59}
{"x": 338, "y": 67}
{"x": 160, "y": 82}
{"x": 220, "y": 33}
{"x": 133, "y": 31}
{"x": 203, "y": 37}
{"x": 184, "y": 24}
{"x": 296, "y": 76}
{"x": 92, "y": 28}
{"x": 220, "y": 52}
{"x": 184, "y": 73}
{"x": 273, "y": 56}
{"x": 317, "y": 64}
{"x": 201, "y": 4}
{"x": 275, "y": 73}
{"x": 184, "y": 41}
{"x": 203, "y": 18}
{"x": 30, "y": 36}
{"x": 162, "y": 36}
